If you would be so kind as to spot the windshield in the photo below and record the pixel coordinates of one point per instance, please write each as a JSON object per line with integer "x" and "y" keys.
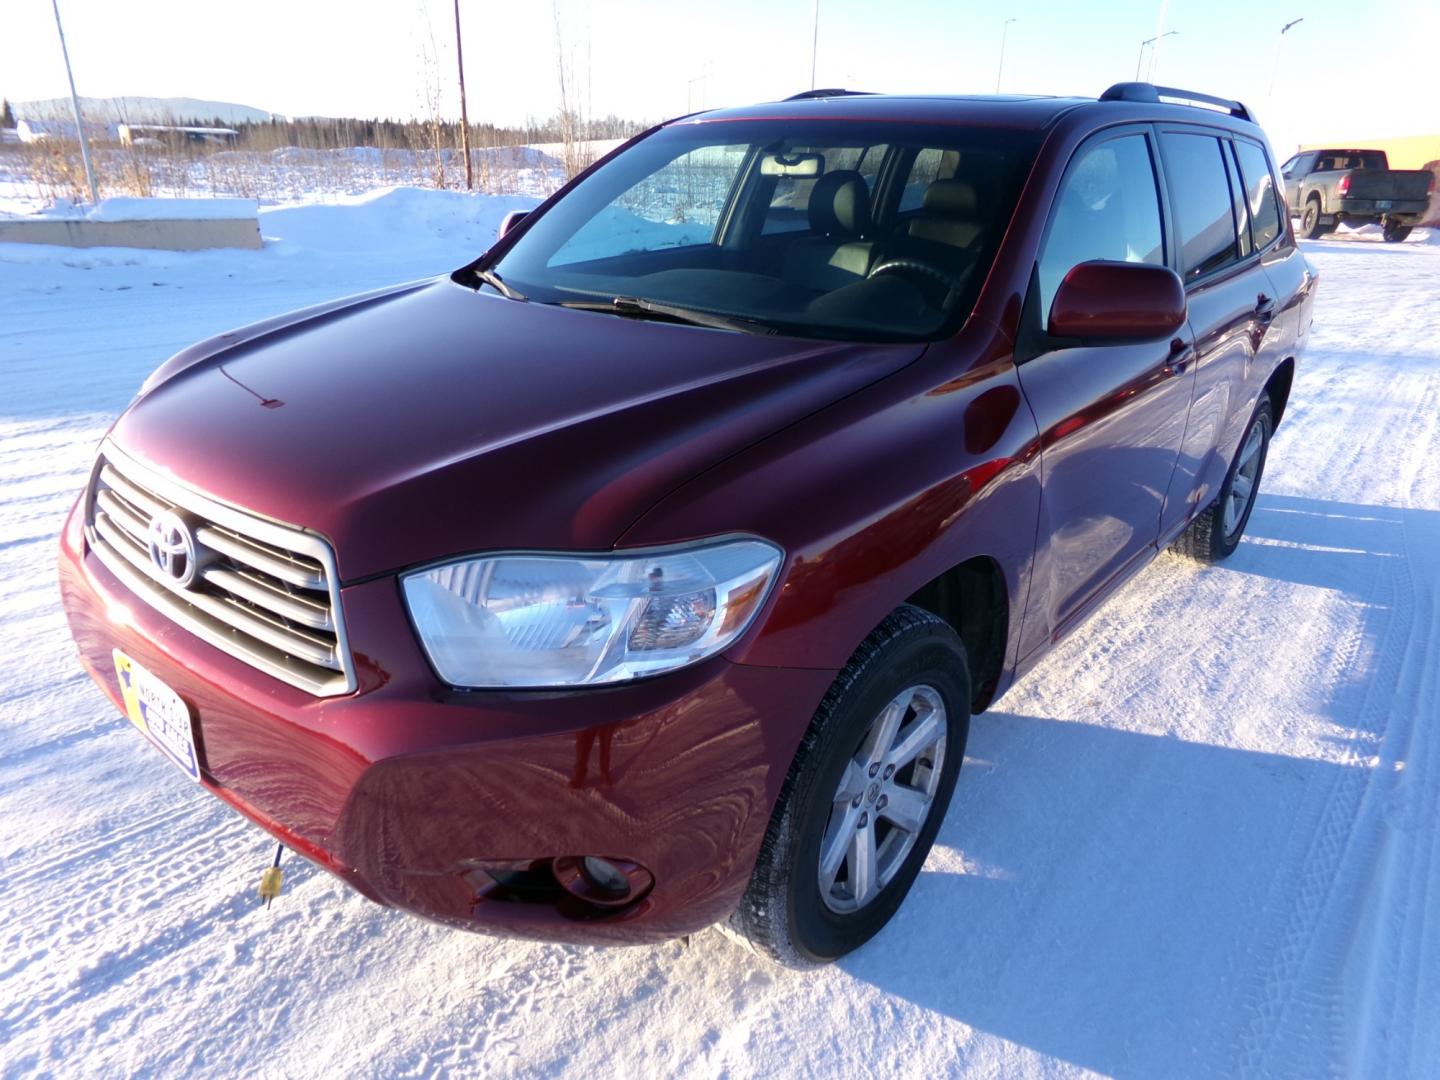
{"x": 817, "y": 228}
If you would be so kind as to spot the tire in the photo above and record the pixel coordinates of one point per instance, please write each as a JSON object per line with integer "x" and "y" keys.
{"x": 786, "y": 914}
{"x": 1394, "y": 232}
{"x": 1310, "y": 225}
{"x": 1215, "y": 535}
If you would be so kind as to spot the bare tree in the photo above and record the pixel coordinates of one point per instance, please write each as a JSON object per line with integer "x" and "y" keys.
{"x": 575, "y": 150}
{"x": 434, "y": 140}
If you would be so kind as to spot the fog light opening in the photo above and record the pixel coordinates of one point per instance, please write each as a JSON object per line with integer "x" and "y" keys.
{"x": 605, "y": 877}
{"x": 602, "y": 882}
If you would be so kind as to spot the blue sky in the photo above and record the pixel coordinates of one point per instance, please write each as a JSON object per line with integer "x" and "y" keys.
{"x": 1344, "y": 72}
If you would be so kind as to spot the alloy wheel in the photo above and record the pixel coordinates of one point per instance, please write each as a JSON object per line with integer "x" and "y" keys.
{"x": 883, "y": 800}
{"x": 1247, "y": 471}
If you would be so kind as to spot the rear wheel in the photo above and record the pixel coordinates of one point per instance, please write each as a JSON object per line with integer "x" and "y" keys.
{"x": 1216, "y": 533}
{"x": 1310, "y": 226}
{"x": 1393, "y": 231}
{"x": 864, "y": 797}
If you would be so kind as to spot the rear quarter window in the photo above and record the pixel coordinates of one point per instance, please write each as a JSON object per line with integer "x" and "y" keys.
{"x": 1260, "y": 194}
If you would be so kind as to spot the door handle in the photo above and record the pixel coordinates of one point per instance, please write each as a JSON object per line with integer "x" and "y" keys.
{"x": 1180, "y": 356}
{"x": 1264, "y": 308}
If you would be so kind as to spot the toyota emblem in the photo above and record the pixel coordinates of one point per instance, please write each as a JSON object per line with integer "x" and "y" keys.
{"x": 172, "y": 547}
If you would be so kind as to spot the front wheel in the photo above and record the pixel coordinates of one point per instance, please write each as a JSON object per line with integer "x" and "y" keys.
{"x": 864, "y": 797}
{"x": 1215, "y": 534}
{"x": 1393, "y": 231}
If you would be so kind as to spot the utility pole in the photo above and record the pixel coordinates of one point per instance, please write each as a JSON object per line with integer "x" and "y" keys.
{"x": 1275, "y": 66}
{"x": 814, "y": 43}
{"x": 75, "y": 103}
{"x": 1004, "y": 30}
{"x": 464, "y": 116}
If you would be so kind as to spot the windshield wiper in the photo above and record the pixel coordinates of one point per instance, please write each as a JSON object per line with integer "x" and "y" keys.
{"x": 491, "y": 278}
{"x": 639, "y": 307}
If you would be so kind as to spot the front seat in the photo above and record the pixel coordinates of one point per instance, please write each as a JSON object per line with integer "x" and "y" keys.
{"x": 949, "y": 218}
{"x": 838, "y": 252}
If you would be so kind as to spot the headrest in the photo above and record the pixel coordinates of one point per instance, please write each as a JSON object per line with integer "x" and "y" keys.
{"x": 840, "y": 202}
{"x": 951, "y": 198}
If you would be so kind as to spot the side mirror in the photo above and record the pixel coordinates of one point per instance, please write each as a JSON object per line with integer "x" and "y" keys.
{"x": 1124, "y": 300}
{"x": 510, "y": 220}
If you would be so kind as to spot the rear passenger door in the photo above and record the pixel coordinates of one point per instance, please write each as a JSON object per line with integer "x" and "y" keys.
{"x": 1111, "y": 416}
{"x": 1232, "y": 305}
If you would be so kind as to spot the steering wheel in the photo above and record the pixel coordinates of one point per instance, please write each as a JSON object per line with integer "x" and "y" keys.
{"x": 918, "y": 267}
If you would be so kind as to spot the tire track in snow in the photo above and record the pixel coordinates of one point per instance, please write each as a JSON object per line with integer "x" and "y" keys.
{"x": 1301, "y": 1021}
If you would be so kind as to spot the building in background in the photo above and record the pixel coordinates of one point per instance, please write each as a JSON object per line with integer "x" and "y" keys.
{"x": 173, "y": 135}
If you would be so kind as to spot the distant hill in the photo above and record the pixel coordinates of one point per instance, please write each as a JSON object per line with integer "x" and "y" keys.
{"x": 140, "y": 110}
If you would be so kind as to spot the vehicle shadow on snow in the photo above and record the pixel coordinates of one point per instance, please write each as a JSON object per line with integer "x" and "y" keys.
{"x": 1119, "y": 887}
{"x": 1329, "y": 545}
{"x": 1112, "y": 886}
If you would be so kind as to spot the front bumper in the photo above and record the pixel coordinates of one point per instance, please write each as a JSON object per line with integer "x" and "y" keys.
{"x": 437, "y": 801}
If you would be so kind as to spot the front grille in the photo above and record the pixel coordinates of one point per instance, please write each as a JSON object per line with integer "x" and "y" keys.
{"x": 266, "y": 593}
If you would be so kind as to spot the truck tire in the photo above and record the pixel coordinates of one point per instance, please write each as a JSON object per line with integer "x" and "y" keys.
{"x": 1394, "y": 232}
{"x": 1215, "y": 534}
{"x": 1310, "y": 226}
{"x": 864, "y": 797}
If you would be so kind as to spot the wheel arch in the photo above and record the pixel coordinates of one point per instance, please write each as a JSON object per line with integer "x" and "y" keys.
{"x": 972, "y": 597}
{"x": 1278, "y": 387}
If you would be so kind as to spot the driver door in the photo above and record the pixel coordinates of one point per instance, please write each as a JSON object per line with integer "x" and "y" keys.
{"x": 1111, "y": 417}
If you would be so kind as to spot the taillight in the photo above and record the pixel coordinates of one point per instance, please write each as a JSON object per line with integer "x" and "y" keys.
{"x": 1343, "y": 186}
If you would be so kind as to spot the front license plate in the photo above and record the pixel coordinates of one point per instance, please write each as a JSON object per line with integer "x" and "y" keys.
{"x": 159, "y": 712}
{"x": 1383, "y": 204}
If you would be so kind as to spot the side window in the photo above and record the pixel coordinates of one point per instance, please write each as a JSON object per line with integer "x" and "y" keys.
{"x": 675, "y": 206}
{"x": 789, "y": 209}
{"x": 923, "y": 172}
{"x": 1107, "y": 208}
{"x": 1200, "y": 189}
{"x": 1259, "y": 192}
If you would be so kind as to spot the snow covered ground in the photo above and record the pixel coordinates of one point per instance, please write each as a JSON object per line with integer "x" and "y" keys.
{"x": 285, "y": 175}
{"x": 1200, "y": 839}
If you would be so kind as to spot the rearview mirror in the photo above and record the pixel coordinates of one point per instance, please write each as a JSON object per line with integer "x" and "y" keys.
{"x": 800, "y": 166}
{"x": 510, "y": 220}
{"x": 1130, "y": 301}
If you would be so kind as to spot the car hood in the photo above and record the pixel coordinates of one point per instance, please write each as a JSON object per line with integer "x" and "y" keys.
{"x": 433, "y": 420}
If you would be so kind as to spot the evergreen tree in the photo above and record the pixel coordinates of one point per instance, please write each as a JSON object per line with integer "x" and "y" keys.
{"x": 7, "y": 118}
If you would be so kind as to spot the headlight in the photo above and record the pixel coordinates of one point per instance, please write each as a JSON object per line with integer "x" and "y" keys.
{"x": 549, "y": 620}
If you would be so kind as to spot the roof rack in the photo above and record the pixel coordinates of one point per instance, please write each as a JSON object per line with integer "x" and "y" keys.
{"x": 1150, "y": 94}
{"x": 831, "y": 92}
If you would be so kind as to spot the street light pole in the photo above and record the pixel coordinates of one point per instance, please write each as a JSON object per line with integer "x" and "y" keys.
{"x": 75, "y": 104}
{"x": 1004, "y": 31}
{"x": 814, "y": 42}
{"x": 464, "y": 116}
{"x": 1140, "y": 58}
{"x": 1275, "y": 66}
{"x": 1160, "y": 35}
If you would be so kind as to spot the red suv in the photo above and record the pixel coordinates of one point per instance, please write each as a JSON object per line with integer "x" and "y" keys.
{"x": 646, "y": 572}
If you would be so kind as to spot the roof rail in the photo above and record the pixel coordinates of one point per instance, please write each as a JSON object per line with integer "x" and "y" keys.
{"x": 831, "y": 92}
{"x": 1153, "y": 95}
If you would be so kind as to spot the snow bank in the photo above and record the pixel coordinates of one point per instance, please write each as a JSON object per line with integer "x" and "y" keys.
{"x": 392, "y": 218}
